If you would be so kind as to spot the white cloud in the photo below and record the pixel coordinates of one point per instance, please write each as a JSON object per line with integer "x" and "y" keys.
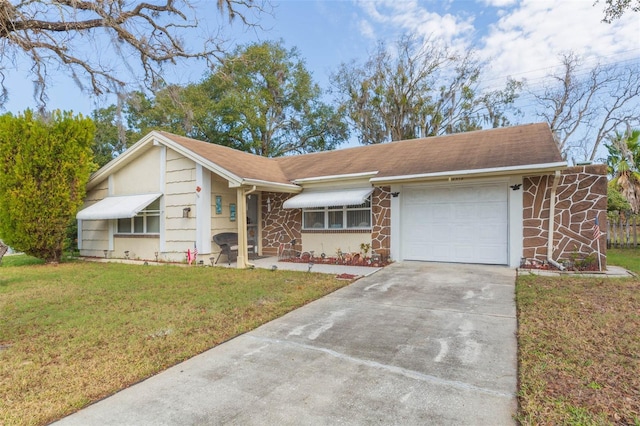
{"x": 519, "y": 38}
{"x": 530, "y": 38}
{"x": 391, "y": 18}
{"x": 366, "y": 29}
{"x": 498, "y": 3}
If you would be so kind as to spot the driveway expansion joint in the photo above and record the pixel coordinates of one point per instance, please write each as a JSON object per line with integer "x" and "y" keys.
{"x": 412, "y": 374}
{"x": 429, "y": 309}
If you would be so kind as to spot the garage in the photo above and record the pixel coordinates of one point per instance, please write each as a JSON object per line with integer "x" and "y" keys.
{"x": 465, "y": 223}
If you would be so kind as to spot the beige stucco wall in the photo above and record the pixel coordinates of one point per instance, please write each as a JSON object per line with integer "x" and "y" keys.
{"x": 222, "y": 222}
{"x": 140, "y": 176}
{"x": 139, "y": 247}
{"x": 280, "y": 225}
{"x": 329, "y": 243}
{"x": 179, "y": 187}
{"x": 95, "y": 233}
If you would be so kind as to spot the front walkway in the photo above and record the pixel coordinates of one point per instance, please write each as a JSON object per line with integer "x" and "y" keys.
{"x": 270, "y": 262}
{"x": 265, "y": 263}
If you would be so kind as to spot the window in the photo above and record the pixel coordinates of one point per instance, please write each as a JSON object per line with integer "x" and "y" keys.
{"x": 145, "y": 222}
{"x": 338, "y": 217}
{"x": 313, "y": 219}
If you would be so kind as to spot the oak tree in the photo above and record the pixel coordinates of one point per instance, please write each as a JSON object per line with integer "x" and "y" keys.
{"x": 99, "y": 42}
{"x": 112, "y": 137}
{"x": 260, "y": 99}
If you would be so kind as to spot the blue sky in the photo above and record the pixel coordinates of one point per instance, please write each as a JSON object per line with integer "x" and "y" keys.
{"x": 521, "y": 39}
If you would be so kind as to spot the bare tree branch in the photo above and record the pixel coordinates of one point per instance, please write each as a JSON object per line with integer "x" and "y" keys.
{"x": 421, "y": 88}
{"x": 614, "y": 9}
{"x": 146, "y": 36}
{"x": 621, "y": 109}
{"x": 585, "y": 111}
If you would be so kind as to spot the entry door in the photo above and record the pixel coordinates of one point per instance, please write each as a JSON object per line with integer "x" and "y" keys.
{"x": 461, "y": 223}
{"x": 252, "y": 219}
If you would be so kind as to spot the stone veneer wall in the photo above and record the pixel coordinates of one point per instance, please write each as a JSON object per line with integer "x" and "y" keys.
{"x": 381, "y": 212}
{"x": 581, "y": 195}
{"x": 282, "y": 225}
{"x": 279, "y": 225}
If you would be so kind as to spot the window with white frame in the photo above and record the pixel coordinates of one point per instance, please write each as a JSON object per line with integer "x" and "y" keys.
{"x": 145, "y": 222}
{"x": 338, "y": 217}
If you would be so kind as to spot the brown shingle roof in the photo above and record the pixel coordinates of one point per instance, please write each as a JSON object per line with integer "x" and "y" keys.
{"x": 484, "y": 149}
{"x": 241, "y": 164}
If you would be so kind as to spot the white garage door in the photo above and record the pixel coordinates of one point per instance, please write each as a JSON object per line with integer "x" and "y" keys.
{"x": 465, "y": 224}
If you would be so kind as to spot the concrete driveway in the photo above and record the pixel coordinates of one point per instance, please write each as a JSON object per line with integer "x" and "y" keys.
{"x": 416, "y": 343}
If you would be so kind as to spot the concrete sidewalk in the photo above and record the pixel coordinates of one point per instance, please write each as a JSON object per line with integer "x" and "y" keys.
{"x": 359, "y": 271}
{"x": 612, "y": 271}
{"x": 264, "y": 263}
{"x": 415, "y": 343}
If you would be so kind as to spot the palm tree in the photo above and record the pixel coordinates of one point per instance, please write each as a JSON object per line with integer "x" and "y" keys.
{"x": 623, "y": 165}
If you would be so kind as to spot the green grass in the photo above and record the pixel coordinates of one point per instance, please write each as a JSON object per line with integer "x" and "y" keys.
{"x": 20, "y": 260}
{"x": 627, "y": 258}
{"x": 73, "y": 333}
{"x": 579, "y": 347}
{"x": 79, "y": 331}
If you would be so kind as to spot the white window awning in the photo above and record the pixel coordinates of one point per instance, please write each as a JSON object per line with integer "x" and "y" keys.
{"x": 117, "y": 207}
{"x": 341, "y": 197}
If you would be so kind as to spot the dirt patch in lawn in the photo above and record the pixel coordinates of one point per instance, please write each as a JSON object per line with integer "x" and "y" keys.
{"x": 578, "y": 350}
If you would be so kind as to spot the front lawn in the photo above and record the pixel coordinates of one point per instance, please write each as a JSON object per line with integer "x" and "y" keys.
{"x": 579, "y": 348}
{"x": 627, "y": 258}
{"x": 77, "y": 332}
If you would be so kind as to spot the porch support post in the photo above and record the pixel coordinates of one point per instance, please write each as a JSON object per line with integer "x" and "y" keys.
{"x": 203, "y": 210}
{"x": 241, "y": 220}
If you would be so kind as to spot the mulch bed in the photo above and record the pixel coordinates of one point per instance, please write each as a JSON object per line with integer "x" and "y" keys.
{"x": 546, "y": 266}
{"x": 347, "y": 260}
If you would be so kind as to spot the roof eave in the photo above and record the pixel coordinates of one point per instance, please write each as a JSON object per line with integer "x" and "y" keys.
{"x": 530, "y": 169}
{"x": 335, "y": 178}
{"x": 264, "y": 185}
{"x": 232, "y": 178}
{"x": 155, "y": 138}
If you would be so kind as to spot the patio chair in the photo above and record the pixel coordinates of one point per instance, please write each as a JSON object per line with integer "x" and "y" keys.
{"x": 228, "y": 243}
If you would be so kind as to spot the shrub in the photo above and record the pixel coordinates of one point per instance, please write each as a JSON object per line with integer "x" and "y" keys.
{"x": 45, "y": 165}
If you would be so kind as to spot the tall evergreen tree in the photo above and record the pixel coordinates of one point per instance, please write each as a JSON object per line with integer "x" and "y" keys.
{"x": 45, "y": 164}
